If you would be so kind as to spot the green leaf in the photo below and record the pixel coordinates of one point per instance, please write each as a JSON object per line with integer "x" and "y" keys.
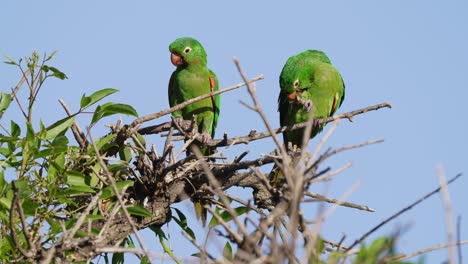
{"x": 58, "y": 127}
{"x": 10, "y": 60}
{"x": 103, "y": 141}
{"x": 5, "y": 101}
{"x": 108, "y": 109}
{"x": 71, "y": 191}
{"x": 60, "y": 141}
{"x": 52, "y": 55}
{"x": 126, "y": 154}
{"x": 77, "y": 190}
{"x": 227, "y": 251}
{"x": 24, "y": 187}
{"x": 87, "y": 101}
{"x": 144, "y": 260}
{"x": 30, "y": 135}
{"x": 29, "y": 207}
{"x": 55, "y": 167}
{"x": 227, "y": 217}
{"x": 121, "y": 109}
{"x": 118, "y": 258}
{"x": 15, "y": 129}
{"x": 5, "y": 202}
{"x": 109, "y": 192}
{"x": 75, "y": 178}
{"x": 182, "y": 222}
{"x": 141, "y": 140}
{"x": 94, "y": 217}
{"x": 56, "y": 72}
{"x": 130, "y": 242}
{"x": 138, "y": 210}
{"x": 163, "y": 237}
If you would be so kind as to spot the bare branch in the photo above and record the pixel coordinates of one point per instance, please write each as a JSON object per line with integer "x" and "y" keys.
{"x": 429, "y": 249}
{"x": 191, "y": 101}
{"x": 339, "y": 202}
{"x": 444, "y": 192}
{"x": 27, "y": 254}
{"x": 119, "y": 198}
{"x": 77, "y": 132}
{"x": 409, "y": 207}
{"x": 256, "y": 136}
{"x": 459, "y": 251}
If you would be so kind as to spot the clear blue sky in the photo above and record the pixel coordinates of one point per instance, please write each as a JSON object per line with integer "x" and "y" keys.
{"x": 412, "y": 53}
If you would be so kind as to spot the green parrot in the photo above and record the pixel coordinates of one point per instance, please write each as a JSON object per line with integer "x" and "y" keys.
{"x": 309, "y": 85}
{"x": 193, "y": 78}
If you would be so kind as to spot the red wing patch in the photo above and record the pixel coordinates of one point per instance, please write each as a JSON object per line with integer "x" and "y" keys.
{"x": 212, "y": 86}
{"x": 335, "y": 104}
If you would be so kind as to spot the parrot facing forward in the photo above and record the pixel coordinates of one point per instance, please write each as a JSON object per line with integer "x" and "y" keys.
{"x": 309, "y": 85}
{"x": 193, "y": 78}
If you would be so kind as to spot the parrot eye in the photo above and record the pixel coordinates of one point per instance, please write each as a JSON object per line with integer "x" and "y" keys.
{"x": 296, "y": 83}
{"x": 187, "y": 50}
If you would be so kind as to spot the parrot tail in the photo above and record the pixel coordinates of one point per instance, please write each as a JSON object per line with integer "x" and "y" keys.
{"x": 200, "y": 211}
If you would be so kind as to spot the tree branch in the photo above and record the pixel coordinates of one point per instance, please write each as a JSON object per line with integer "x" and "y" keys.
{"x": 409, "y": 207}
{"x": 256, "y": 136}
{"x": 191, "y": 101}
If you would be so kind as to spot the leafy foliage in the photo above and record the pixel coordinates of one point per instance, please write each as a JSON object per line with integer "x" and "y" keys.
{"x": 44, "y": 180}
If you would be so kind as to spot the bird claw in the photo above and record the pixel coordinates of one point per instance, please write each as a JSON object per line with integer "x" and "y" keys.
{"x": 315, "y": 123}
{"x": 179, "y": 121}
{"x": 307, "y": 105}
{"x": 205, "y": 137}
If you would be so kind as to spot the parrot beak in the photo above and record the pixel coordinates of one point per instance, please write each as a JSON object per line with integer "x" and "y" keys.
{"x": 292, "y": 96}
{"x": 176, "y": 59}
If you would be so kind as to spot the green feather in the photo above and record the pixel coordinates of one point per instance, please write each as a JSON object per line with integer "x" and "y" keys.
{"x": 193, "y": 78}
{"x": 316, "y": 80}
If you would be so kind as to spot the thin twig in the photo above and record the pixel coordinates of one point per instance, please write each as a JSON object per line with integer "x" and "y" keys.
{"x": 407, "y": 208}
{"x": 429, "y": 249}
{"x": 323, "y": 140}
{"x": 216, "y": 190}
{"x": 71, "y": 232}
{"x": 444, "y": 192}
{"x": 329, "y": 153}
{"x": 256, "y": 136}
{"x": 191, "y": 101}
{"x": 27, "y": 235}
{"x": 77, "y": 132}
{"x": 233, "y": 234}
{"x": 459, "y": 250}
{"x": 339, "y": 202}
{"x": 195, "y": 243}
{"x": 321, "y": 218}
{"x": 119, "y": 198}
{"x": 27, "y": 254}
{"x": 15, "y": 90}
{"x": 135, "y": 251}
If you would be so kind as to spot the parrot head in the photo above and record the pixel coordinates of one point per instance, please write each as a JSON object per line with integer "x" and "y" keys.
{"x": 295, "y": 80}
{"x": 187, "y": 51}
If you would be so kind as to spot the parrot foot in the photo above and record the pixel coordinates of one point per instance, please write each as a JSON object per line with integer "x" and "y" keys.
{"x": 205, "y": 137}
{"x": 307, "y": 105}
{"x": 315, "y": 123}
{"x": 178, "y": 122}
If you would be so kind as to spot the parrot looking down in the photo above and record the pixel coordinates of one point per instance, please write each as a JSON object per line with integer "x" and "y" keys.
{"x": 193, "y": 78}
{"x": 310, "y": 85}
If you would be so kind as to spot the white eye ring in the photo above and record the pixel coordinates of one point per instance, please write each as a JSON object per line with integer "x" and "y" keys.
{"x": 187, "y": 50}
{"x": 296, "y": 83}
